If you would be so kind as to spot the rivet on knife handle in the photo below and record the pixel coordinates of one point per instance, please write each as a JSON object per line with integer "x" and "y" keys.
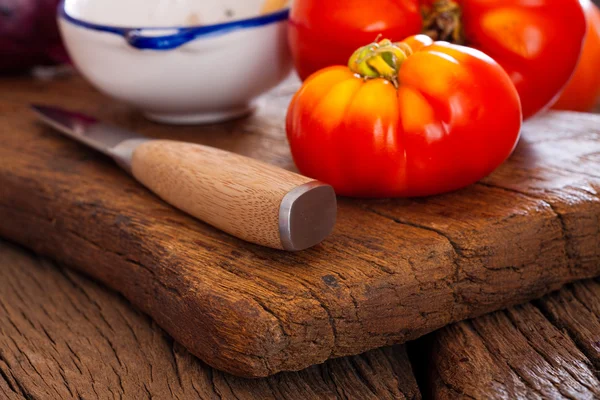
{"x": 249, "y": 199}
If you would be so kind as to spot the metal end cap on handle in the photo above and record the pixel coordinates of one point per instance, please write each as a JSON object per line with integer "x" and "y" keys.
{"x": 307, "y": 215}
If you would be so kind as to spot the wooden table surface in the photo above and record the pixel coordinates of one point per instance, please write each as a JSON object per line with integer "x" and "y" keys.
{"x": 64, "y": 336}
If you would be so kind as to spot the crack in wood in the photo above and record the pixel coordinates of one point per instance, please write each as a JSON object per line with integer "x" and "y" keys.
{"x": 543, "y": 305}
{"x": 565, "y": 234}
{"x": 505, "y": 361}
{"x": 12, "y": 383}
{"x": 357, "y": 370}
{"x": 533, "y": 345}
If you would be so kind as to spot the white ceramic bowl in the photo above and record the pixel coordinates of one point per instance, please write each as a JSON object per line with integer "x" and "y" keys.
{"x": 179, "y": 61}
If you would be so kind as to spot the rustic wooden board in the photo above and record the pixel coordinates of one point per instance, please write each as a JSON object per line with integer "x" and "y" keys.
{"x": 549, "y": 349}
{"x": 63, "y": 336}
{"x": 393, "y": 270}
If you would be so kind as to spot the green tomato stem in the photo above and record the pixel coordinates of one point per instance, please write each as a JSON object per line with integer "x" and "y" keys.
{"x": 379, "y": 60}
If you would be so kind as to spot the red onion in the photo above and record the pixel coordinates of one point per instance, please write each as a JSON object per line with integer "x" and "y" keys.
{"x": 29, "y": 34}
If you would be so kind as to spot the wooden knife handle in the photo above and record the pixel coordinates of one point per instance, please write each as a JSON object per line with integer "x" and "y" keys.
{"x": 249, "y": 199}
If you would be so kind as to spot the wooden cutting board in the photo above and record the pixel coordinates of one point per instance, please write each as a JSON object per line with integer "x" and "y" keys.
{"x": 392, "y": 271}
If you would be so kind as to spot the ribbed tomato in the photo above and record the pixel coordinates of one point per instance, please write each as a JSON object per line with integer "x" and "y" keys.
{"x": 537, "y": 42}
{"x": 583, "y": 91}
{"x": 407, "y": 119}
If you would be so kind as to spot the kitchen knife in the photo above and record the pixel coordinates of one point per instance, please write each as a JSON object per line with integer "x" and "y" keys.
{"x": 249, "y": 199}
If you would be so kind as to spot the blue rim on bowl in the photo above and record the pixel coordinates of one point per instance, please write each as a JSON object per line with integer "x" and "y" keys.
{"x": 182, "y": 35}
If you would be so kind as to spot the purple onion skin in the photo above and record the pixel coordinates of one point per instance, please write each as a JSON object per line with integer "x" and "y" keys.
{"x": 29, "y": 35}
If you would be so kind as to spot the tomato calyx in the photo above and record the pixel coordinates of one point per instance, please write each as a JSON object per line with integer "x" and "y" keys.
{"x": 442, "y": 21}
{"x": 380, "y": 60}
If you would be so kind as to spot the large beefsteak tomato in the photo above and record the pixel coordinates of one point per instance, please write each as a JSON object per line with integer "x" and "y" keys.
{"x": 408, "y": 119}
{"x": 537, "y": 42}
{"x": 583, "y": 91}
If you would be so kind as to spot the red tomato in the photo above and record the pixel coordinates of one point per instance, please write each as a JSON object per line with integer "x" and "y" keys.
{"x": 583, "y": 90}
{"x": 445, "y": 117}
{"x": 537, "y": 42}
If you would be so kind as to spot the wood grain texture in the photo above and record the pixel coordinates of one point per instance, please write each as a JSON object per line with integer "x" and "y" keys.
{"x": 392, "y": 270}
{"x": 63, "y": 336}
{"x": 236, "y": 194}
{"x": 545, "y": 350}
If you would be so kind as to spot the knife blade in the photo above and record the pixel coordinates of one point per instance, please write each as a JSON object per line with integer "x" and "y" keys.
{"x": 249, "y": 199}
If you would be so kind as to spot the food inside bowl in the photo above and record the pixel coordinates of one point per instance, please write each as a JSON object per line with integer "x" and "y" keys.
{"x": 270, "y": 6}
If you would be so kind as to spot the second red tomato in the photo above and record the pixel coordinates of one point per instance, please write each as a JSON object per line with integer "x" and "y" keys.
{"x": 583, "y": 91}
{"x": 537, "y": 43}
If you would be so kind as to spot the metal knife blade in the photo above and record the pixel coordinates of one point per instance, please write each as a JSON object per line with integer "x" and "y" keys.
{"x": 113, "y": 141}
{"x": 102, "y": 137}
